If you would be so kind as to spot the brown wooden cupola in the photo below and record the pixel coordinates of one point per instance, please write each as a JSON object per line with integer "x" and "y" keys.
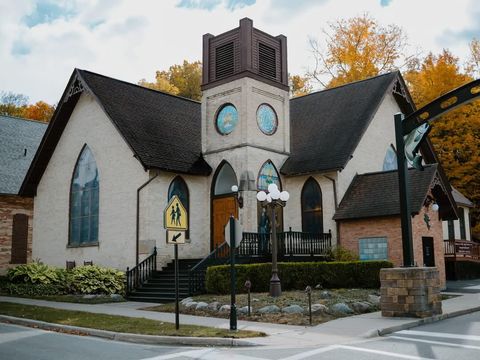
{"x": 244, "y": 52}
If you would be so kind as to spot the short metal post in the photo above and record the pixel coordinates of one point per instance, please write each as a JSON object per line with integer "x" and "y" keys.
{"x": 233, "y": 308}
{"x": 308, "y": 290}
{"x": 177, "y": 309}
{"x": 248, "y": 286}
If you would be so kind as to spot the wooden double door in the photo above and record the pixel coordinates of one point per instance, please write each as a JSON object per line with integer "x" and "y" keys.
{"x": 222, "y": 208}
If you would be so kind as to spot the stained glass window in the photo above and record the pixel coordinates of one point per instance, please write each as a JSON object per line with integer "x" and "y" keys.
{"x": 267, "y": 119}
{"x": 84, "y": 201}
{"x": 179, "y": 187}
{"x": 225, "y": 179}
{"x": 227, "y": 119}
{"x": 268, "y": 175}
{"x": 312, "y": 211}
{"x": 390, "y": 160}
{"x": 373, "y": 248}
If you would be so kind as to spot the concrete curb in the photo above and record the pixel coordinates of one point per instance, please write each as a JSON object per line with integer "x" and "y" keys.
{"x": 427, "y": 320}
{"x": 127, "y": 337}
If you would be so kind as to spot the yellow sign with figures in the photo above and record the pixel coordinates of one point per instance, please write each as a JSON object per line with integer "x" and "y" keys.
{"x": 175, "y": 216}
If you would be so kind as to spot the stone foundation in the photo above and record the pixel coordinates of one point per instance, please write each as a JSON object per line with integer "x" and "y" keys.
{"x": 410, "y": 292}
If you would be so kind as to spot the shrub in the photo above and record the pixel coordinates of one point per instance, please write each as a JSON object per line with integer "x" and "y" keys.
{"x": 36, "y": 273}
{"x": 339, "y": 253}
{"x": 93, "y": 279}
{"x": 296, "y": 276}
{"x": 32, "y": 290}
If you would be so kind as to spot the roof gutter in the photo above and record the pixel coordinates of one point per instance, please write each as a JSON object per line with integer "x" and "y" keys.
{"x": 335, "y": 200}
{"x": 137, "y": 239}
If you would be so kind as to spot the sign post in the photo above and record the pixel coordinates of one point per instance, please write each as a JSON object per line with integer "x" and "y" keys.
{"x": 175, "y": 218}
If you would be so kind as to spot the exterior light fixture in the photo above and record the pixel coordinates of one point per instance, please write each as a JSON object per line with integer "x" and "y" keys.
{"x": 238, "y": 198}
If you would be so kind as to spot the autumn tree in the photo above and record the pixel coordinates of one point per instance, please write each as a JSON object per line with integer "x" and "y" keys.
{"x": 182, "y": 80}
{"x": 299, "y": 85}
{"x": 40, "y": 111}
{"x": 456, "y": 135}
{"x": 12, "y": 104}
{"x": 356, "y": 49}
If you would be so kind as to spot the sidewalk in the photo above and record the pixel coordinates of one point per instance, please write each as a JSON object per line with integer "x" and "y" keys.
{"x": 339, "y": 331}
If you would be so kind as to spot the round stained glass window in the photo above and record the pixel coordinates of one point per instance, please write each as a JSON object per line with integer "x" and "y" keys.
{"x": 227, "y": 119}
{"x": 267, "y": 119}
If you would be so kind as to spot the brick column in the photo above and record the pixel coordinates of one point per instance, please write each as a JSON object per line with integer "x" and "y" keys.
{"x": 410, "y": 292}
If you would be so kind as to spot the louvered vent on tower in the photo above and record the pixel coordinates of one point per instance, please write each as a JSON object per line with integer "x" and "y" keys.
{"x": 224, "y": 61}
{"x": 266, "y": 61}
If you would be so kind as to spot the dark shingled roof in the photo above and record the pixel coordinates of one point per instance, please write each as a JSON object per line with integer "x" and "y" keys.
{"x": 327, "y": 126}
{"x": 376, "y": 194}
{"x": 19, "y": 140}
{"x": 163, "y": 131}
{"x": 461, "y": 199}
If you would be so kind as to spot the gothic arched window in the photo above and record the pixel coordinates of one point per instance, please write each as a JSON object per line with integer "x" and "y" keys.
{"x": 84, "y": 201}
{"x": 312, "y": 211}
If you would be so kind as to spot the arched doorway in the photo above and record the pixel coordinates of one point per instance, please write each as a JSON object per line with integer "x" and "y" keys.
{"x": 223, "y": 201}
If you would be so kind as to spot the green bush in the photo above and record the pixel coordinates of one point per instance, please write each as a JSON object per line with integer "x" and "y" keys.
{"x": 93, "y": 279}
{"x": 339, "y": 253}
{"x": 36, "y": 273}
{"x": 296, "y": 276}
{"x": 32, "y": 290}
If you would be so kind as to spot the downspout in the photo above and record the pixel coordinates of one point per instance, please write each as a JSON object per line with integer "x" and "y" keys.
{"x": 138, "y": 217}
{"x": 335, "y": 200}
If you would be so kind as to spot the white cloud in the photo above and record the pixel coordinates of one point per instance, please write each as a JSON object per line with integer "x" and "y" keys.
{"x": 129, "y": 40}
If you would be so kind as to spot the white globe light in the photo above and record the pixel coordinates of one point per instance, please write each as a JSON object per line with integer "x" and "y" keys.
{"x": 269, "y": 198}
{"x": 435, "y": 207}
{"x": 284, "y": 196}
{"x": 261, "y": 196}
{"x": 234, "y": 188}
{"x": 275, "y": 194}
{"x": 272, "y": 187}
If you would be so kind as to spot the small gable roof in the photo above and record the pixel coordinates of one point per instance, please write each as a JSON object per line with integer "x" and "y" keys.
{"x": 376, "y": 194}
{"x": 162, "y": 130}
{"x": 19, "y": 140}
{"x": 326, "y": 126}
{"x": 461, "y": 199}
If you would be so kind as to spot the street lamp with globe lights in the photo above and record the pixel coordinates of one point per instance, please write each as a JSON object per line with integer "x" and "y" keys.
{"x": 273, "y": 199}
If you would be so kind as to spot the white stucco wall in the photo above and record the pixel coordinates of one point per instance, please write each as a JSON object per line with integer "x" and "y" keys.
{"x": 456, "y": 225}
{"x": 120, "y": 175}
{"x": 370, "y": 152}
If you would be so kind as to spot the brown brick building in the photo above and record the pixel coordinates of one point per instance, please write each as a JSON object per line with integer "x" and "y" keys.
{"x": 19, "y": 140}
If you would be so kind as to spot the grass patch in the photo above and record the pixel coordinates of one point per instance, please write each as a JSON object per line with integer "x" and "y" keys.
{"x": 122, "y": 324}
{"x": 79, "y": 299}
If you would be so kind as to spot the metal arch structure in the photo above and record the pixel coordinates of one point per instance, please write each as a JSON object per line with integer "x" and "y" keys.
{"x": 406, "y": 125}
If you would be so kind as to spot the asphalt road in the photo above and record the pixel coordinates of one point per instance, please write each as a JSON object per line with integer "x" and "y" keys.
{"x": 457, "y": 338}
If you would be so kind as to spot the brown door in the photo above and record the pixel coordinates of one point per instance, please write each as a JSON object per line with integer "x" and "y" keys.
{"x": 19, "y": 239}
{"x": 222, "y": 209}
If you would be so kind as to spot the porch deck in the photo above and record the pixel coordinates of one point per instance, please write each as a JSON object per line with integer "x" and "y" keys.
{"x": 461, "y": 250}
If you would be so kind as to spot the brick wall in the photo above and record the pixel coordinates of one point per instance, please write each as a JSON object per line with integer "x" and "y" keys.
{"x": 9, "y": 206}
{"x": 353, "y": 230}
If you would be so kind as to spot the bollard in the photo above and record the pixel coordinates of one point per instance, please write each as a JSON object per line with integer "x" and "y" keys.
{"x": 248, "y": 286}
{"x": 308, "y": 290}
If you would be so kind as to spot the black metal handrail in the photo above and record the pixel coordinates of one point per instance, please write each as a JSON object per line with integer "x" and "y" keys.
{"x": 196, "y": 275}
{"x": 140, "y": 273}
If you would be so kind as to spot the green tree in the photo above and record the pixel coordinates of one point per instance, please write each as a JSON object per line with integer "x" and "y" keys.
{"x": 12, "y": 104}
{"x": 182, "y": 80}
{"x": 356, "y": 49}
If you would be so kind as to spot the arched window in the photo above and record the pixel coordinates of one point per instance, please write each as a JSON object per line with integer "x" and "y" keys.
{"x": 268, "y": 175}
{"x": 224, "y": 180}
{"x": 84, "y": 199}
{"x": 390, "y": 160}
{"x": 312, "y": 211}
{"x": 179, "y": 187}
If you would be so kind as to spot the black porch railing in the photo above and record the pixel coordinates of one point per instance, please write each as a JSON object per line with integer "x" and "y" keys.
{"x": 137, "y": 275}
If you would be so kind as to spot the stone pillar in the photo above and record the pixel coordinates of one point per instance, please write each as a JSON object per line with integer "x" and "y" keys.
{"x": 410, "y": 292}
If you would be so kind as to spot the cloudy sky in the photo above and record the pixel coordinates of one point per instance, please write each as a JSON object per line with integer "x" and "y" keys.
{"x": 42, "y": 41}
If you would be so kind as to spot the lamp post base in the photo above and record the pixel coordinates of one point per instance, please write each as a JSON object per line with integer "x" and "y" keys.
{"x": 275, "y": 286}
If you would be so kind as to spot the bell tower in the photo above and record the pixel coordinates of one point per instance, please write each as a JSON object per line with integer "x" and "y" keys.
{"x": 245, "y": 106}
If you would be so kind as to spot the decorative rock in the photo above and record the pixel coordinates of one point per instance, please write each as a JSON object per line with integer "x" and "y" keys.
{"x": 325, "y": 295}
{"x": 293, "y": 309}
{"x": 244, "y": 310}
{"x": 270, "y": 309}
{"x": 214, "y": 306}
{"x": 191, "y": 304}
{"x": 342, "y": 308}
{"x": 224, "y": 308}
{"x": 116, "y": 297}
{"x": 186, "y": 300}
{"x": 201, "y": 306}
{"x": 319, "y": 309}
{"x": 318, "y": 287}
{"x": 374, "y": 299}
{"x": 255, "y": 300}
{"x": 361, "y": 306}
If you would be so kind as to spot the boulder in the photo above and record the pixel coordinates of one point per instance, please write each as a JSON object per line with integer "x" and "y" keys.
{"x": 319, "y": 309}
{"x": 244, "y": 310}
{"x": 361, "y": 306}
{"x": 270, "y": 309}
{"x": 318, "y": 287}
{"x": 293, "y": 309}
{"x": 374, "y": 299}
{"x": 186, "y": 300}
{"x": 325, "y": 295}
{"x": 190, "y": 304}
{"x": 89, "y": 296}
{"x": 341, "y": 308}
{"x": 201, "y": 306}
{"x": 214, "y": 306}
{"x": 224, "y": 308}
{"x": 116, "y": 297}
